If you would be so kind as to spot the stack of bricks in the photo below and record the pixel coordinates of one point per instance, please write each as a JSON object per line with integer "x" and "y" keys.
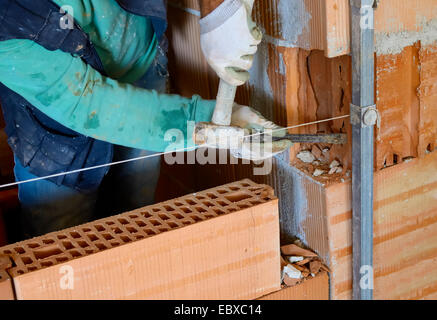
{"x": 221, "y": 243}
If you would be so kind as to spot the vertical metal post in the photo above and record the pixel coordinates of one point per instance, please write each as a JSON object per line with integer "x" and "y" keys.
{"x": 363, "y": 119}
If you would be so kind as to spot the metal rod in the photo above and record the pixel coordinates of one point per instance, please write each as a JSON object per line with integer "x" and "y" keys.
{"x": 363, "y": 78}
{"x": 331, "y": 138}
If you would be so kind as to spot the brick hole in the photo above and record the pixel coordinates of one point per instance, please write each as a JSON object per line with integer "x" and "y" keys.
{"x": 178, "y": 216}
{"x": 140, "y": 224}
{"x": 20, "y": 271}
{"x": 133, "y": 216}
{"x": 75, "y": 235}
{"x": 107, "y": 236}
{"x": 232, "y": 210}
{"x": 149, "y": 232}
{"x": 196, "y": 218}
{"x": 61, "y": 236}
{"x": 243, "y": 206}
{"x": 156, "y": 209}
{"x": 146, "y": 214}
{"x": 255, "y": 202}
{"x": 429, "y": 148}
{"x": 117, "y": 230}
{"x": 211, "y": 196}
{"x": 155, "y": 222}
{"x": 162, "y": 229}
{"x": 61, "y": 259}
{"x": 186, "y": 222}
{"x": 7, "y": 252}
{"x": 164, "y": 216}
{"x": 131, "y": 229}
{"x": 27, "y": 260}
{"x": 234, "y": 188}
{"x": 209, "y": 216}
{"x": 101, "y": 246}
{"x": 222, "y": 203}
{"x": 255, "y": 189}
{"x": 48, "y": 241}
{"x": 109, "y": 223}
{"x": 178, "y": 204}
{"x": 190, "y": 202}
{"x": 395, "y": 159}
{"x": 123, "y": 221}
{"x": 218, "y": 211}
{"x": 125, "y": 239}
{"x": 172, "y": 224}
{"x": 46, "y": 263}
{"x": 83, "y": 244}
{"x": 267, "y": 199}
{"x": 31, "y": 268}
{"x": 19, "y": 250}
{"x": 200, "y": 209}
{"x": 67, "y": 245}
{"x": 139, "y": 237}
{"x": 115, "y": 243}
{"x": 245, "y": 185}
{"x": 75, "y": 254}
{"x": 86, "y": 230}
{"x": 208, "y": 203}
{"x": 47, "y": 252}
{"x": 239, "y": 196}
{"x": 92, "y": 237}
{"x": 221, "y": 191}
{"x": 185, "y": 209}
{"x": 169, "y": 208}
{"x": 99, "y": 228}
{"x": 200, "y": 197}
{"x": 89, "y": 251}
{"x": 33, "y": 245}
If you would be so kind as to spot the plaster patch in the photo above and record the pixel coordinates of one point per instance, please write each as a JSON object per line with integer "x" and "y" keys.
{"x": 395, "y": 42}
{"x": 294, "y": 20}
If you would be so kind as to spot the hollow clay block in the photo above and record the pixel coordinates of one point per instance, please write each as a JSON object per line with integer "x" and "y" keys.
{"x": 6, "y": 289}
{"x": 221, "y": 243}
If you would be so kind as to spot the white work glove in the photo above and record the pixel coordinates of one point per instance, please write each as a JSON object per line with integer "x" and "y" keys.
{"x": 245, "y": 122}
{"x": 229, "y": 39}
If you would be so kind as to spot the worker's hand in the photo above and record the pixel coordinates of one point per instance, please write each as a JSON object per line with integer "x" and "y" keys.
{"x": 230, "y": 39}
{"x": 243, "y": 137}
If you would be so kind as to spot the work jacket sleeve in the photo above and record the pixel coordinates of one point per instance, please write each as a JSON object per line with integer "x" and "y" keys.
{"x": 80, "y": 98}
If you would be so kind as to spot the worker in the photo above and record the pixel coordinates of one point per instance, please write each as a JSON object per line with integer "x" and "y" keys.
{"x": 84, "y": 83}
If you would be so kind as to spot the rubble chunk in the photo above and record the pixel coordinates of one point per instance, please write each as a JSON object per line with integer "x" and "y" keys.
{"x": 315, "y": 150}
{"x": 318, "y": 172}
{"x": 290, "y": 282}
{"x": 294, "y": 259}
{"x": 306, "y": 156}
{"x": 292, "y": 272}
{"x": 294, "y": 250}
{"x": 334, "y": 164}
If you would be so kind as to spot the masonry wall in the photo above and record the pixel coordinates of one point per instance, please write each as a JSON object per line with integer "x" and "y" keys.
{"x": 302, "y": 73}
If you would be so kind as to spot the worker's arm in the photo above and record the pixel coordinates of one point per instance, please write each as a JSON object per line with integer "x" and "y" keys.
{"x": 77, "y": 96}
{"x": 229, "y": 38}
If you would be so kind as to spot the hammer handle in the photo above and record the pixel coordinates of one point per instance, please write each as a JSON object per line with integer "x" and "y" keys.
{"x": 225, "y": 102}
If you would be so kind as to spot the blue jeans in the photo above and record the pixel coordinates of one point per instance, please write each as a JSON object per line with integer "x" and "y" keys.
{"x": 47, "y": 207}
